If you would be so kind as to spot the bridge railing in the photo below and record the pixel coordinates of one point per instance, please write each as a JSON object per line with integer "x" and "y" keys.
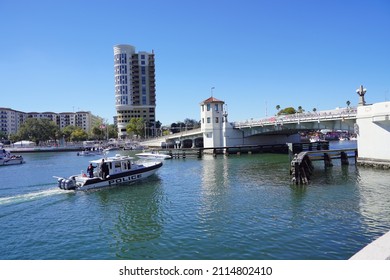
{"x": 182, "y": 135}
{"x": 347, "y": 113}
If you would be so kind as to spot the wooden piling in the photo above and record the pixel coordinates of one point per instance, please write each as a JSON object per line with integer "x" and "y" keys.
{"x": 327, "y": 160}
{"x": 344, "y": 158}
{"x": 301, "y": 167}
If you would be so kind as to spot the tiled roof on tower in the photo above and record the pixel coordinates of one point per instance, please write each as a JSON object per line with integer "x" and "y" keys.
{"x": 212, "y": 99}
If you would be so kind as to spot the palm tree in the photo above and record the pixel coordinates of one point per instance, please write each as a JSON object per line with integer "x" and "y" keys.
{"x": 300, "y": 110}
{"x": 348, "y": 103}
{"x": 278, "y": 107}
{"x": 314, "y": 110}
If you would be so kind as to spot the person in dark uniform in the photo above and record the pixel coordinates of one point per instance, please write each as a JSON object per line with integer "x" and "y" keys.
{"x": 104, "y": 169}
{"x": 90, "y": 169}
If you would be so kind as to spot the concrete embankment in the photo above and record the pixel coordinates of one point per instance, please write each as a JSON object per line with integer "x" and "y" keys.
{"x": 44, "y": 149}
{"x": 379, "y": 249}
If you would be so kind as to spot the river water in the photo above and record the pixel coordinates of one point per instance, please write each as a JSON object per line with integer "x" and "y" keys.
{"x": 236, "y": 207}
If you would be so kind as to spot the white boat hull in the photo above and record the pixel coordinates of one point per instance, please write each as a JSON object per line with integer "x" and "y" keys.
{"x": 11, "y": 161}
{"x": 121, "y": 180}
{"x": 81, "y": 182}
{"x": 153, "y": 156}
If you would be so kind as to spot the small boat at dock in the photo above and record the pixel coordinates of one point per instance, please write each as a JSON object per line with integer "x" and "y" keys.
{"x": 90, "y": 152}
{"x": 153, "y": 155}
{"x": 113, "y": 171}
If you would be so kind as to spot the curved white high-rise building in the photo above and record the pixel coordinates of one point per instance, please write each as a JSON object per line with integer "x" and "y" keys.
{"x": 135, "y": 87}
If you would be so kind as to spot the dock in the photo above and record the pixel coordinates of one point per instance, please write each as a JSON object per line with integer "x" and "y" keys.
{"x": 244, "y": 149}
{"x": 301, "y": 167}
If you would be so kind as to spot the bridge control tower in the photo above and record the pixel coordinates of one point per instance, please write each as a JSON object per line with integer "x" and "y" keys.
{"x": 217, "y": 131}
{"x": 212, "y": 120}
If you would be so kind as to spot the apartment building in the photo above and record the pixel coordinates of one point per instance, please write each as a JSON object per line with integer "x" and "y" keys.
{"x": 135, "y": 87}
{"x": 11, "y": 120}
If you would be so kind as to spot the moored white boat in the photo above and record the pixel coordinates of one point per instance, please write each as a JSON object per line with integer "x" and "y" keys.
{"x": 91, "y": 152}
{"x": 153, "y": 155}
{"x": 6, "y": 158}
{"x": 316, "y": 139}
{"x": 121, "y": 169}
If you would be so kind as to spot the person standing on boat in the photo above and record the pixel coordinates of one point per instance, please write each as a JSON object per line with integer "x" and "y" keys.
{"x": 90, "y": 169}
{"x": 104, "y": 169}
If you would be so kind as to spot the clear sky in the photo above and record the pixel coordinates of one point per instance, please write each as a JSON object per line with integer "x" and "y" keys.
{"x": 58, "y": 55}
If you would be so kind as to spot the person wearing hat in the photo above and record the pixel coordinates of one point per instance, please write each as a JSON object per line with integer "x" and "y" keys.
{"x": 90, "y": 169}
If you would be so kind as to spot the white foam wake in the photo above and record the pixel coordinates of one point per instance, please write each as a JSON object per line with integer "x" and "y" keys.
{"x": 29, "y": 196}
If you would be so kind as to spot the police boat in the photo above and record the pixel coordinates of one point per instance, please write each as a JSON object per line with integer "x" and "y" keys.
{"x": 108, "y": 172}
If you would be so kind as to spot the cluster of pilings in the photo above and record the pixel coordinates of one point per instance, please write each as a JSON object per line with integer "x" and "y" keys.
{"x": 301, "y": 167}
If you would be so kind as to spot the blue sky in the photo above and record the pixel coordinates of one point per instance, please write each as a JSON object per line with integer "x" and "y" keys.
{"x": 58, "y": 55}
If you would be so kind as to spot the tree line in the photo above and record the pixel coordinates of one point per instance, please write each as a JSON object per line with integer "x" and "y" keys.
{"x": 138, "y": 127}
{"x": 42, "y": 130}
{"x": 291, "y": 110}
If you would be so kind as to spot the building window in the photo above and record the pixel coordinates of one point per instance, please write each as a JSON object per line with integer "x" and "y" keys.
{"x": 216, "y": 107}
{"x": 208, "y": 107}
{"x": 216, "y": 120}
{"x": 208, "y": 120}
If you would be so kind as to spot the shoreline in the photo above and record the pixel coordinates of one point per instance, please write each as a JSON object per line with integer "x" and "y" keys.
{"x": 44, "y": 149}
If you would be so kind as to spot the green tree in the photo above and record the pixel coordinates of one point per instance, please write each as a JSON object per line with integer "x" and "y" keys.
{"x": 98, "y": 132}
{"x": 67, "y": 131}
{"x": 177, "y": 127}
{"x": 37, "y": 130}
{"x": 112, "y": 131}
{"x": 79, "y": 135}
{"x": 136, "y": 126}
{"x": 191, "y": 124}
{"x": 14, "y": 137}
{"x": 287, "y": 111}
{"x": 3, "y": 135}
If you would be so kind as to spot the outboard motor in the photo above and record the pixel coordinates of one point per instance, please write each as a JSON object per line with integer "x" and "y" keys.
{"x": 66, "y": 184}
{"x": 60, "y": 182}
{"x": 70, "y": 185}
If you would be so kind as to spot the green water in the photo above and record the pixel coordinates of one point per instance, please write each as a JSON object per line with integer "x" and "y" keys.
{"x": 236, "y": 207}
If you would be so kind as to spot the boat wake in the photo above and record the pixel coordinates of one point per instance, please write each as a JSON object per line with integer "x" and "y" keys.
{"x": 29, "y": 196}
